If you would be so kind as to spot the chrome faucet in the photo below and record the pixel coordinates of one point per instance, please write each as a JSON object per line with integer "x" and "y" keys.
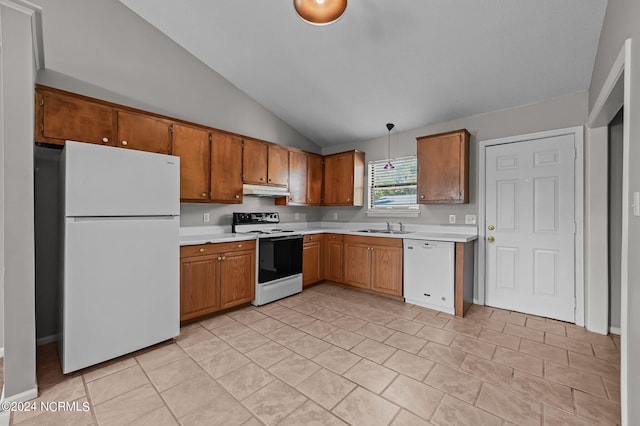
{"x": 401, "y": 226}
{"x": 388, "y": 226}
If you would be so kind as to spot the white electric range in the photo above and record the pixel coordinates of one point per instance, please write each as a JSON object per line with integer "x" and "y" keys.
{"x": 279, "y": 254}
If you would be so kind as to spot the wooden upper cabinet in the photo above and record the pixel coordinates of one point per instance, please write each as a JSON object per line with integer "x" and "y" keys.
{"x": 192, "y": 145}
{"x": 265, "y": 163}
{"x": 314, "y": 180}
{"x": 344, "y": 179}
{"x": 278, "y": 165}
{"x": 144, "y": 132}
{"x": 60, "y": 117}
{"x": 226, "y": 168}
{"x": 254, "y": 160}
{"x": 297, "y": 177}
{"x": 443, "y": 168}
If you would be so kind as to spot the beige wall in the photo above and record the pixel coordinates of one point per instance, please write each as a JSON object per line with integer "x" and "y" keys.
{"x": 621, "y": 22}
{"x": 557, "y": 113}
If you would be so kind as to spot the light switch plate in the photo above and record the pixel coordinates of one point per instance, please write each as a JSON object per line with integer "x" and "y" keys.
{"x": 452, "y": 218}
{"x": 205, "y": 217}
{"x": 335, "y": 216}
{"x": 469, "y": 219}
{"x": 296, "y": 216}
{"x": 636, "y": 204}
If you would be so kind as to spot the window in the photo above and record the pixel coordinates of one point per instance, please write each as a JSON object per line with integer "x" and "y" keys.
{"x": 394, "y": 191}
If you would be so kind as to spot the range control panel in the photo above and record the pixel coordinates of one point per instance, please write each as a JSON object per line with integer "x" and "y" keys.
{"x": 255, "y": 218}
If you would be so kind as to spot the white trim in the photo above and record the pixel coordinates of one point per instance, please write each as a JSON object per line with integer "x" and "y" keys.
{"x": 380, "y": 212}
{"x": 2, "y": 352}
{"x": 47, "y": 339}
{"x": 35, "y": 12}
{"x": 578, "y": 133}
{"x": 27, "y": 395}
{"x": 600, "y": 113}
{"x": 615, "y": 330}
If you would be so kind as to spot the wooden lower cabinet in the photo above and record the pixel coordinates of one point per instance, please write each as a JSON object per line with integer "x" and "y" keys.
{"x": 373, "y": 263}
{"x": 333, "y": 257}
{"x": 312, "y": 270}
{"x": 215, "y": 277}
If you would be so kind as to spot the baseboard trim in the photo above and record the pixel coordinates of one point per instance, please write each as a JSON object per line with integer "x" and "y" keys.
{"x": 615, "y": 330}
{"x": 47, "y": 339}
{"x": 27, "y": 395}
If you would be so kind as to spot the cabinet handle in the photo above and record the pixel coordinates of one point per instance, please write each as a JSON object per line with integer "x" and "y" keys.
{"x": 219, "y": 258}
{"x": 348, "y": 199}
{"x": 201, "y": 250}
{"x": 239, "y": 245}
{"x": 224, "y": 257}
{"x": 262, "y": 179}
{"x": 204, "y": 194}
{"x": 125, "y": 143}
{"x": 269, "y": 179}
{"x": 105, "y": 140}
{"x": 237, "y": 195}
{"x": 422, "y": 197}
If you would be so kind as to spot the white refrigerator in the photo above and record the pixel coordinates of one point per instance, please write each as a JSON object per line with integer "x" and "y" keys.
{"x": 120, "y": 255}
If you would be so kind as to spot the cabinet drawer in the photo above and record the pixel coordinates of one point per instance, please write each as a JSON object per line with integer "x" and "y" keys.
{"x": 212, "y": 248}
{"x": 374, "y": 241}
{"x": 334, "y": 237}
{"x": 311, "y": 237}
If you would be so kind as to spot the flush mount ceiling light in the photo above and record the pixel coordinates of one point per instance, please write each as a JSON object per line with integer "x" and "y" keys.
{"x": 320, "y": 12}
{"x": 389, "y": 166}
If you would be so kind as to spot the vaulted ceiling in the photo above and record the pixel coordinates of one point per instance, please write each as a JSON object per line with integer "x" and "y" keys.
{"x": 410, "y": 62}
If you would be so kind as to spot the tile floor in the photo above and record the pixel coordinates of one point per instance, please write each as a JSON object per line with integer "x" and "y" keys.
{"x": 335, "y": 356}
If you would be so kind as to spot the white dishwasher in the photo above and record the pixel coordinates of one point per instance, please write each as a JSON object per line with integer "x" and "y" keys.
{"x": 429, "y": 274}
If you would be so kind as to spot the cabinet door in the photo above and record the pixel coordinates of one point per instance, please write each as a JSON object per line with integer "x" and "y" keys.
{"x": 254, "y": 160}
{"x": 199, "y": 286}
{"x": 338, "y": 176}
{"x": 386, "y": 270}
{"x": 61, "y": 118}
{"x": 144, "y": 133}
{"x": 237, "y": 278}
{"x": 314, "y": 180}
{"x": 443, "y": 166}
{"x": 192, "y": 146}
{"x": 311, "y": 263}
{"x": 333, "y": 258}
{"x": 278, "y": 161}
{"x": 357, "y": 265}
{"x": 298, "y": 177}
{"x": 226, "y": 168}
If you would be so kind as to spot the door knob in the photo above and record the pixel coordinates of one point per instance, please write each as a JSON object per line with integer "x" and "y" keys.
{"x": 491, "y": 228}
{"x": 491, "y": 239}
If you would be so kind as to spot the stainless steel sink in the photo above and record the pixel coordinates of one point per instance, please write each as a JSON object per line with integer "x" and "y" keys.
{"x": 382, "y": 231}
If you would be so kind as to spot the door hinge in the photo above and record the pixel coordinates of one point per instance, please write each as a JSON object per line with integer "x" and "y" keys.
{"x": 42, "y": 101}
{"x": 210, "y": 137}
{"x": 575, "y": 153}
{"x": 42, "y": 128}
{"x": 170, "y": 128}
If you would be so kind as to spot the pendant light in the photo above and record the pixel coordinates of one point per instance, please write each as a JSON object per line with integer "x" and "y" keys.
{"x": 320, "y": 12}
{"x": 389, "y": 166}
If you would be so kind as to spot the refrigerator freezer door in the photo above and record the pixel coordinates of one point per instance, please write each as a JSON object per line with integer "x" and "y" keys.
{"x": 121, "y": 287}
{"x": 108, "y": 181}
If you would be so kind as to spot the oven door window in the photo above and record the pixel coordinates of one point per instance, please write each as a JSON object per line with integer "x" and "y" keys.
{"x": 279, "y": 257}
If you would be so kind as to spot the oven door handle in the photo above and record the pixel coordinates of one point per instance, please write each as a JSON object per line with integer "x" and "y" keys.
{"x": 290, "y": 237}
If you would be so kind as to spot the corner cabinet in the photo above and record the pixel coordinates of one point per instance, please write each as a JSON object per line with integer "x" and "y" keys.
{"x": 373, "y": 263}
{"x": 443, "y": 168}
{"x": 215, "y": 277}
{"x": 305, "y": 180}
{"x": 344, "y": 179}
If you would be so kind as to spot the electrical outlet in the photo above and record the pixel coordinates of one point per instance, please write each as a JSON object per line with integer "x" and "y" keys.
{"x": 470, "y": 219}
{"x": 452, "y": 218}
{"x": 335, "y": 216}
{"x": 296, "y": 216}
{"x": 205, "y": 217}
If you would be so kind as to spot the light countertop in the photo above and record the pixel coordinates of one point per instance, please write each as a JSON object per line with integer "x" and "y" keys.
{"x": 193, "y": 235}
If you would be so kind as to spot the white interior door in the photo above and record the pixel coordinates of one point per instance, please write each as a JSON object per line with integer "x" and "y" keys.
{"x": 530, "y": 232}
